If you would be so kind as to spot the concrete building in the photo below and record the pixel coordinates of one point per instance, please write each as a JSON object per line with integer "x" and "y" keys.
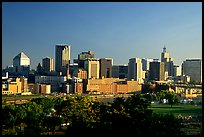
{"x": 157, "y": 72}
{"x": 168, "y": 62}
{"x": 48, "y": 64}
{"x": 39, "y": 88}
{"x": 135, "y": 69}
{"x": 120, "y": 71}
{"x": 21, "y": 64}
{"x": 83, "y": 56}
{"x": 193, "y": 68}
{"x": 92, "y": 66}
{"x": 146, "y": 63}
{"x": 77, "y": 85}
{"x": 62, "y": 58}
{"x": 177, "y": 70}
{"x": 57, "y": 82}
{"x": 15, "y": 85}
{"x": 112, "y": 86}
{"x": 45, "y": 89}
{"x": 80, "y": 73}
{"x": 106, "y": 67}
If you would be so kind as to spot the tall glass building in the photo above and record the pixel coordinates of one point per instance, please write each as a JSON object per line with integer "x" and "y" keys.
{"x": 193, "y": 68}
{"x": 62, "y": 57}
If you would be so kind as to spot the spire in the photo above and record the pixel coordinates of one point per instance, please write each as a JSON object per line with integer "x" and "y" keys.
{"x": 164, "y": 49}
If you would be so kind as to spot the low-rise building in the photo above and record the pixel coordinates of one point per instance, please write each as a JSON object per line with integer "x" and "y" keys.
{"x": 56, "y": 82}
{"x": 112, "y": 86}
{"x": 14, "y": 85}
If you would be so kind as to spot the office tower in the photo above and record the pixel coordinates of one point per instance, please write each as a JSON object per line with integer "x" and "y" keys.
{"x": 168, "y": 62}
{"x": 157, "y": 72}
{"x": 193, "y": 68}
{"x": 177, "y": 70}
{"x": 21, "y": 64}
{"x": 135, "y": 69}
{"x": 83, "y": 56}
{"x": 62, "y": 58}
{"x": 106, "y": 67}
{"x": 145, "y": 64}
{"x": 80, "y": 73}
{"x": 39, "y": 69}
{"x": 92, "y": 66}
{"x": 120, "y": 71}
{"x": 47, "y": 64}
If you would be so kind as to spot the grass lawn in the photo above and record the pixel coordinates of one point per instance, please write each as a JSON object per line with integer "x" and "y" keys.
{"x": 179, "y": 109}
{"x": 192, "y": 127}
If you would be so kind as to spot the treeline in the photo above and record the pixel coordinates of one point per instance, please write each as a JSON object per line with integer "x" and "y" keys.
{"x": 83, "y": 116}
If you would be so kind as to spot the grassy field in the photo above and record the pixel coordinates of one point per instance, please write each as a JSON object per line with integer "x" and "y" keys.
{"x": 180, "y": 109}
{"x": 190, "y": 127}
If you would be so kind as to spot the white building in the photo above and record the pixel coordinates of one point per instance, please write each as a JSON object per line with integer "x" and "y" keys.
{"x": 92, "y": 66}
{"x": 135, "y": 70}
{"x": 177, "y": 70}
{"x": 21, "y": 64}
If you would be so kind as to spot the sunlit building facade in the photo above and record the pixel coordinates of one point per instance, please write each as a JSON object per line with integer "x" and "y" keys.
{"x": 62, "y": 58}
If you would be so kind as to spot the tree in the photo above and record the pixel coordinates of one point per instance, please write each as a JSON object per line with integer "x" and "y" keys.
{"x": 171, "y": 97}
{"x": 9, "y": 118}
{"x": 20, "y": 115}
{"x": 34, "y": 118}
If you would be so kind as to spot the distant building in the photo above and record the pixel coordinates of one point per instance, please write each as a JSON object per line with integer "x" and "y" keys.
{"x": 48, "y": 64}
{"x": 73, "y": 69}
{"x": 21, "y": 64}
{"x": 62, "y": 58}
{"x": 77, "y": 86}
{"x": 80, "y": 73}
{"x": 193, "y": 68}
{"x": 83, "y": 56}
{"x": 135, "y": 69}
{"x": 157, "y": 72}
{"x": 40, "y": 88}
{"x": 168, "y": 62}
{"x": 14, "y": 85}
{"x": 112, "y": 86}
{"x": 106, "y": 67}
{"x": 57, "y": 82}
{"x": 120, "y": 71}
{"x": 145, "y": 64}
{"x": 177, "y": 70}
{"x": 39, "y": 69}
{"x": 92, "y": 66}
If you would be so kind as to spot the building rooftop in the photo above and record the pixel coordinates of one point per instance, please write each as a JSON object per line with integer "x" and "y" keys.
{"x": 21, "y": 55}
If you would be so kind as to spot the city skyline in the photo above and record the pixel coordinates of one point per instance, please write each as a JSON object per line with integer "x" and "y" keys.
{"x": 111, "y": 30}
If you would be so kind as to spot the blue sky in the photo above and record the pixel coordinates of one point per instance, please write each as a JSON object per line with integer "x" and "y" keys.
{"x": 114, "y": 30}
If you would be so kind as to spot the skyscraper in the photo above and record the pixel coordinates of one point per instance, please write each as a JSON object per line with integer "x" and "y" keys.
{"x": 193, "y": 68}
{"x": 145, "y": 64}
{"x": 135, "y": 69}
{"x": 47, "y": 64}
{"x": 62, "y": 58}
{"x": 21, "y": 64}
{"x": 177, "y": 70}
{"x": 157, "y": 71}
{"x": 168, "y": 62}
{"x": 120, "y": 71}
{"x": 92, "y": 66}
{"x": 83, "y": 56}
{"x": 106, "y": 67}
